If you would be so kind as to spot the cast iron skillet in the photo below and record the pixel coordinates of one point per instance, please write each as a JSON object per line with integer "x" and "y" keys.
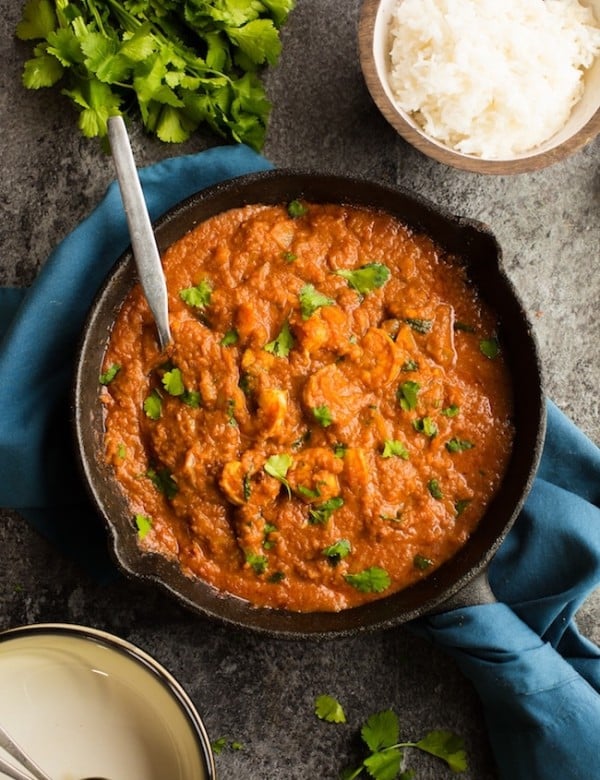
{"x": 459, "y": 579}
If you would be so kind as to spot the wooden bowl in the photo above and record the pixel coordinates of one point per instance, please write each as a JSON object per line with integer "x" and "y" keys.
{"x": 582, "y": 127}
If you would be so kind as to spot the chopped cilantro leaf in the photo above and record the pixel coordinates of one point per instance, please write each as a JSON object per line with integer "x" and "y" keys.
{"x": 450, "y": 411}
{"x": 422, "y": 563}
{"x": 289, "y": 257}
{"x": 230, "y": 338}
{"x": 153, "y": 405}
{"x": 329, "y": 709}
{"x": 277, "y": 466}
{"x": 425, "y": 425}
{"x": 434, "y": 488}
{"x": 107, "y": 377}
{"x": 258, "y": 563}
{"x": 394, "y": 448}
{"x": 336, "y": 551}
{"x": 490, "y": 348}
{"x": 172, "y": 381}
{"x": 192, "y": 398}
{"x": 198, "y": 296}
{"x": 461, "y": 505}
{"x": 458, "y": 445}
{"x": 296, "y": 209}
{"x": 143, "y": 524}
{"x": 371, "y": 580}
{"x": 410, "y": 365}
{"x": 406, "y": 395}
{"x": 283, "y": 343}
{"x": 311, "y": 300}
{"x": 419, "y": 325}
{"x": 367, "y": 278}
{"x": 163, "y": 481}
{"x": 322, "y": 415}
{"x": 464, "y": 326}
{"x": 319, "y": 514}
{"x": 339, "y": 450}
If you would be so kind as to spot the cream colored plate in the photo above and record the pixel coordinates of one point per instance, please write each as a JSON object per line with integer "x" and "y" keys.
{"x": 84, "y": 703}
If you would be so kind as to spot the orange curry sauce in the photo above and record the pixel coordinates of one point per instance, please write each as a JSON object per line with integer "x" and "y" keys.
{"x": 312, "y": 439}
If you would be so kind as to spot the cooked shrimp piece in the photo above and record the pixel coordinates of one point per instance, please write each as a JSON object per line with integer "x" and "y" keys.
{"x": 380, "y": 360}
{"x": 246, "y": 482}
{"x": 313, "y": 475}
{"x": 331, "y": 390}
{"x": 272, "y": 409}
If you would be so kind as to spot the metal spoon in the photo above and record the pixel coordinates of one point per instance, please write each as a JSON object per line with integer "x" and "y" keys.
{"x": 15, "y": 750}
{"x": 143, "y": 241}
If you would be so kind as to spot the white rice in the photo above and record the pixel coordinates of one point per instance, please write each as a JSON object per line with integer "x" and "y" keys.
{"x": 491, "y": 78}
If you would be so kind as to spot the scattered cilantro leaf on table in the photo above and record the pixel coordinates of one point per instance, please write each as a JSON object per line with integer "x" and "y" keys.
{"x": 176, "y": 66}
{"x": 328, "y": 708}
{"x": 381, "y": 735}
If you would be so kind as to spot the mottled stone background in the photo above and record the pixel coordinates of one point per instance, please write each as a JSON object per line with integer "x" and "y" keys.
{"x": 256, "y": 690}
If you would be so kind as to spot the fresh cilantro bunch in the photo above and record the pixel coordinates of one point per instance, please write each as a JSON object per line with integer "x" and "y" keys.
{"x": 178, "y": 64}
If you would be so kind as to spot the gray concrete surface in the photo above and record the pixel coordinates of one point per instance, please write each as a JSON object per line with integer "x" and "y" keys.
{"x": 253, "y": 689}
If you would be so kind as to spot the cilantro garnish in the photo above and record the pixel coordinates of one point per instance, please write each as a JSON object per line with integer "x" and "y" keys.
{"x": 283, "y": 342}
{"x": 336, "y": 551}
{"x": 163, "y": 481}
{"x": 258, "y": 563}
{"x": 219, "y": 744}
{"x": 490, "y": 348}
{"x": 153, "y": 405}
{"x": 311, "y": 300}
{"x": 461, "y": 505}
{"x": 450, "y": 411}
{"x": 339, "y": 450}
{"x": 410, "y": 365}
{"x": 464, "y": 326}
{"x": 394, "y": 448}
{"x": 329, "y": 709}
{"x": 192, "y": 398}
{"x": 322, "y": 415}
{"x": 180, "y": 66}
{"x": 406, "y": 395}
{"x": 278, "y": 466}
{"x": 458, "y": 445}
{"x": 268, "y": 529}
{"x": 296, "y": 209}
{"x": 172, "y": 381}
{"x": 435, "y": 490}
{"x": 107, "y": 377}
{"x": 367, "y": 278}
{"x": 371, "y": 580}
{"x": 143, "y": 524}
{"x": 425, "y": 425}
{"x": 419, "y": 325}
{"x": 198, "y": 296}
{"x": 230, "y": 338}
{"x": 422, "y": 563}
{"x": 289, "y": 257}
{"x": 381, "y": 735}
{"x": 319, "y": 514}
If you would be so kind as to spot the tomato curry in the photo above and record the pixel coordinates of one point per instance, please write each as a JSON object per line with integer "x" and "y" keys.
{"x": 332, "y": 417}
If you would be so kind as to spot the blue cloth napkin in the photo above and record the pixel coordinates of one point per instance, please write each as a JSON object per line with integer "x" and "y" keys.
{"x": 538, "y": 678}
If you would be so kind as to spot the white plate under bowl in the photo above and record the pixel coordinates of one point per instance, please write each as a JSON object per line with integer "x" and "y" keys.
{"x": 84, "y": 703}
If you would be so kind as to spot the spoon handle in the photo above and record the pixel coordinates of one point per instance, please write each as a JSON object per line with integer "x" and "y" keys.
{"x": 9, "y": 770}
{"x": 11, "y": 747}
{"x": 143, "y": 241}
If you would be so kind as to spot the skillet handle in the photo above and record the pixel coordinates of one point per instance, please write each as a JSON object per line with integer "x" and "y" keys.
{"x": 476, "y": 591}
